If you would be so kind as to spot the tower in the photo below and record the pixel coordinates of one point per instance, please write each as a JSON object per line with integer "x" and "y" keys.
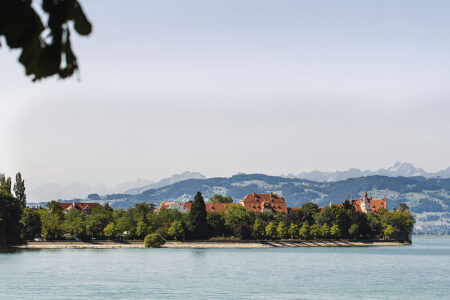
{"x": 365, "y": 203}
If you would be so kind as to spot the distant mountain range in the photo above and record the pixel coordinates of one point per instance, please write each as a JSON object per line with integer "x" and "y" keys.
{"x": 54, "y": 191}
{"x": 166, "y": 181}
{"x": 398, "y": 169}
{"x": 420, "y": 193}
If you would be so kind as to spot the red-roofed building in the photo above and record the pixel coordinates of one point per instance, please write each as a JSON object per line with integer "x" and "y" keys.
{"x": 178, "y": 205}
{"x": 367, "y": 204}
{"x": 212, "y": 207}
{"x": 80, "y": 206}
{"x": 265, "y": 203}
{"x": 255, "y": 202}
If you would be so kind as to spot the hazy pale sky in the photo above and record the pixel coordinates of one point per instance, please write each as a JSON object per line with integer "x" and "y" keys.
{"x": 226, "y": 86}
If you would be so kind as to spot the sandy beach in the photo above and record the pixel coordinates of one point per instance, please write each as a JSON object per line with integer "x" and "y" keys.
{"x": 205, "y": 244}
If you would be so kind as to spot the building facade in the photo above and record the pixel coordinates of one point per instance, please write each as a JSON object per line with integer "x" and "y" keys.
{"x": 367, "y": 204}
{"x": 177, "y": 204}
{"x": 265, "y": 203}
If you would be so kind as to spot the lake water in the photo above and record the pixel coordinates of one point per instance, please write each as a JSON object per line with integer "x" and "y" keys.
{"x": 419, "y": 271}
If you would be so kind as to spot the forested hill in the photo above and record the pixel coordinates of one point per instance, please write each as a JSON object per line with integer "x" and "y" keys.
{"x": 421, "y": 194}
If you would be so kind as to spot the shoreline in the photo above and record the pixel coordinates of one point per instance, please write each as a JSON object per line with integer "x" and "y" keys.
{"x": 206, "y": 244}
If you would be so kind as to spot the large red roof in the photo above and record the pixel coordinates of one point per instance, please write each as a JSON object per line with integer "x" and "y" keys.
{"x": 212, "y": 207}
{"x": 265, "y": 202}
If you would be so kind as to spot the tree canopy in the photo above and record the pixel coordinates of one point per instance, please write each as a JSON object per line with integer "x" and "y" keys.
{"x": 220, "y": 199}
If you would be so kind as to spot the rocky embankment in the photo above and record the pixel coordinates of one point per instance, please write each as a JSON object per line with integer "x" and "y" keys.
{"x": 206, "y": 244}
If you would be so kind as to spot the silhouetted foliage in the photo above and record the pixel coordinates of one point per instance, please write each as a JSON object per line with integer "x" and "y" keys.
{"x": 11, "y": 210}
{"x": 46, "y": 49}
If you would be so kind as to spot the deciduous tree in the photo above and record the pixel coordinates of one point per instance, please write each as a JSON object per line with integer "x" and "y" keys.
{"x": 176, "y": 229}
{"x": 304, "y": 231}
{"x": 293, "y": 231}
{"x": 335, "y": 231}
{"x": 271, "y": 231}
{"x": 282, "y": 230}
{"x": 258, "y": 229}
{"x": 220, "y": 199}
{"x": 31, "y": 224}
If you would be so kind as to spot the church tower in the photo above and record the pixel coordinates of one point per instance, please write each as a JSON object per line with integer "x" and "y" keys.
{"x": 365, "y": 203}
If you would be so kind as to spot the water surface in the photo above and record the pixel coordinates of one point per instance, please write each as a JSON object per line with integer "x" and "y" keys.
{"x": 419, "y": 271}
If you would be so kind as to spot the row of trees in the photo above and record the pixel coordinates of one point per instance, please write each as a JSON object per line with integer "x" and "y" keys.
{"x": 308, "y": 222}
{"x": 18, "y": 223}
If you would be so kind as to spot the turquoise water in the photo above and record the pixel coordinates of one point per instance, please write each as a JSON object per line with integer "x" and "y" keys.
{"x": 419, "y": 271}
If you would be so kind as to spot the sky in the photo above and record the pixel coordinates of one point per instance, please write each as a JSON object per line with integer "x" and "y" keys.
{"x": 222, "y": 87}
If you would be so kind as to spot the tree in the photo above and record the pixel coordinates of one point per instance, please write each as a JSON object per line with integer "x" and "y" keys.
{"x": 19, "y": 190}
{"x": 360, "y": 219}
{"x": 55, "y": 208}
{"x": 304, "y": 231}
{"x": 141, "y": 229}
{"x": 315, "y": 231}
{"x": 353, "y": 231}
{"x": 46, "y": 49}
{"x": 344, "y": 219}
{"x": 282, "y": 230}
{"x": 197, "y": 218}
{"x": 243, "y": 231}
{"x": 176, "y": 229}
{"x": 374, "y": 225}
{"x": 309, "y": 212}
{"x": 327, "y": 215}
{"x": 31, "y": 224}
{"x": 236, "y": 214}
{"x": 402, "y": 221}
{"x": 295, "y": 216}
{"x": 5, "y": 184}
{"x": 220, "y": 199}
{"x": 111, "y": 230}
{"x": 74, "y": 224}
{"x": 51, "y": 224}
{"x": 293, "y": 231}
{"x": 389, "y": 231}
{"x": 97, "y": 221}
{"x": 325, "y": 231}
{"x": 10, "y": 214}
{"x": 216, "y": 223}
{"x": 258, "y": 229}
{"x": 335, "y": 231}
{"x": 271, "y": 231}
{"x": 154, "y": 240}
{"x": 127, "y": 224}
